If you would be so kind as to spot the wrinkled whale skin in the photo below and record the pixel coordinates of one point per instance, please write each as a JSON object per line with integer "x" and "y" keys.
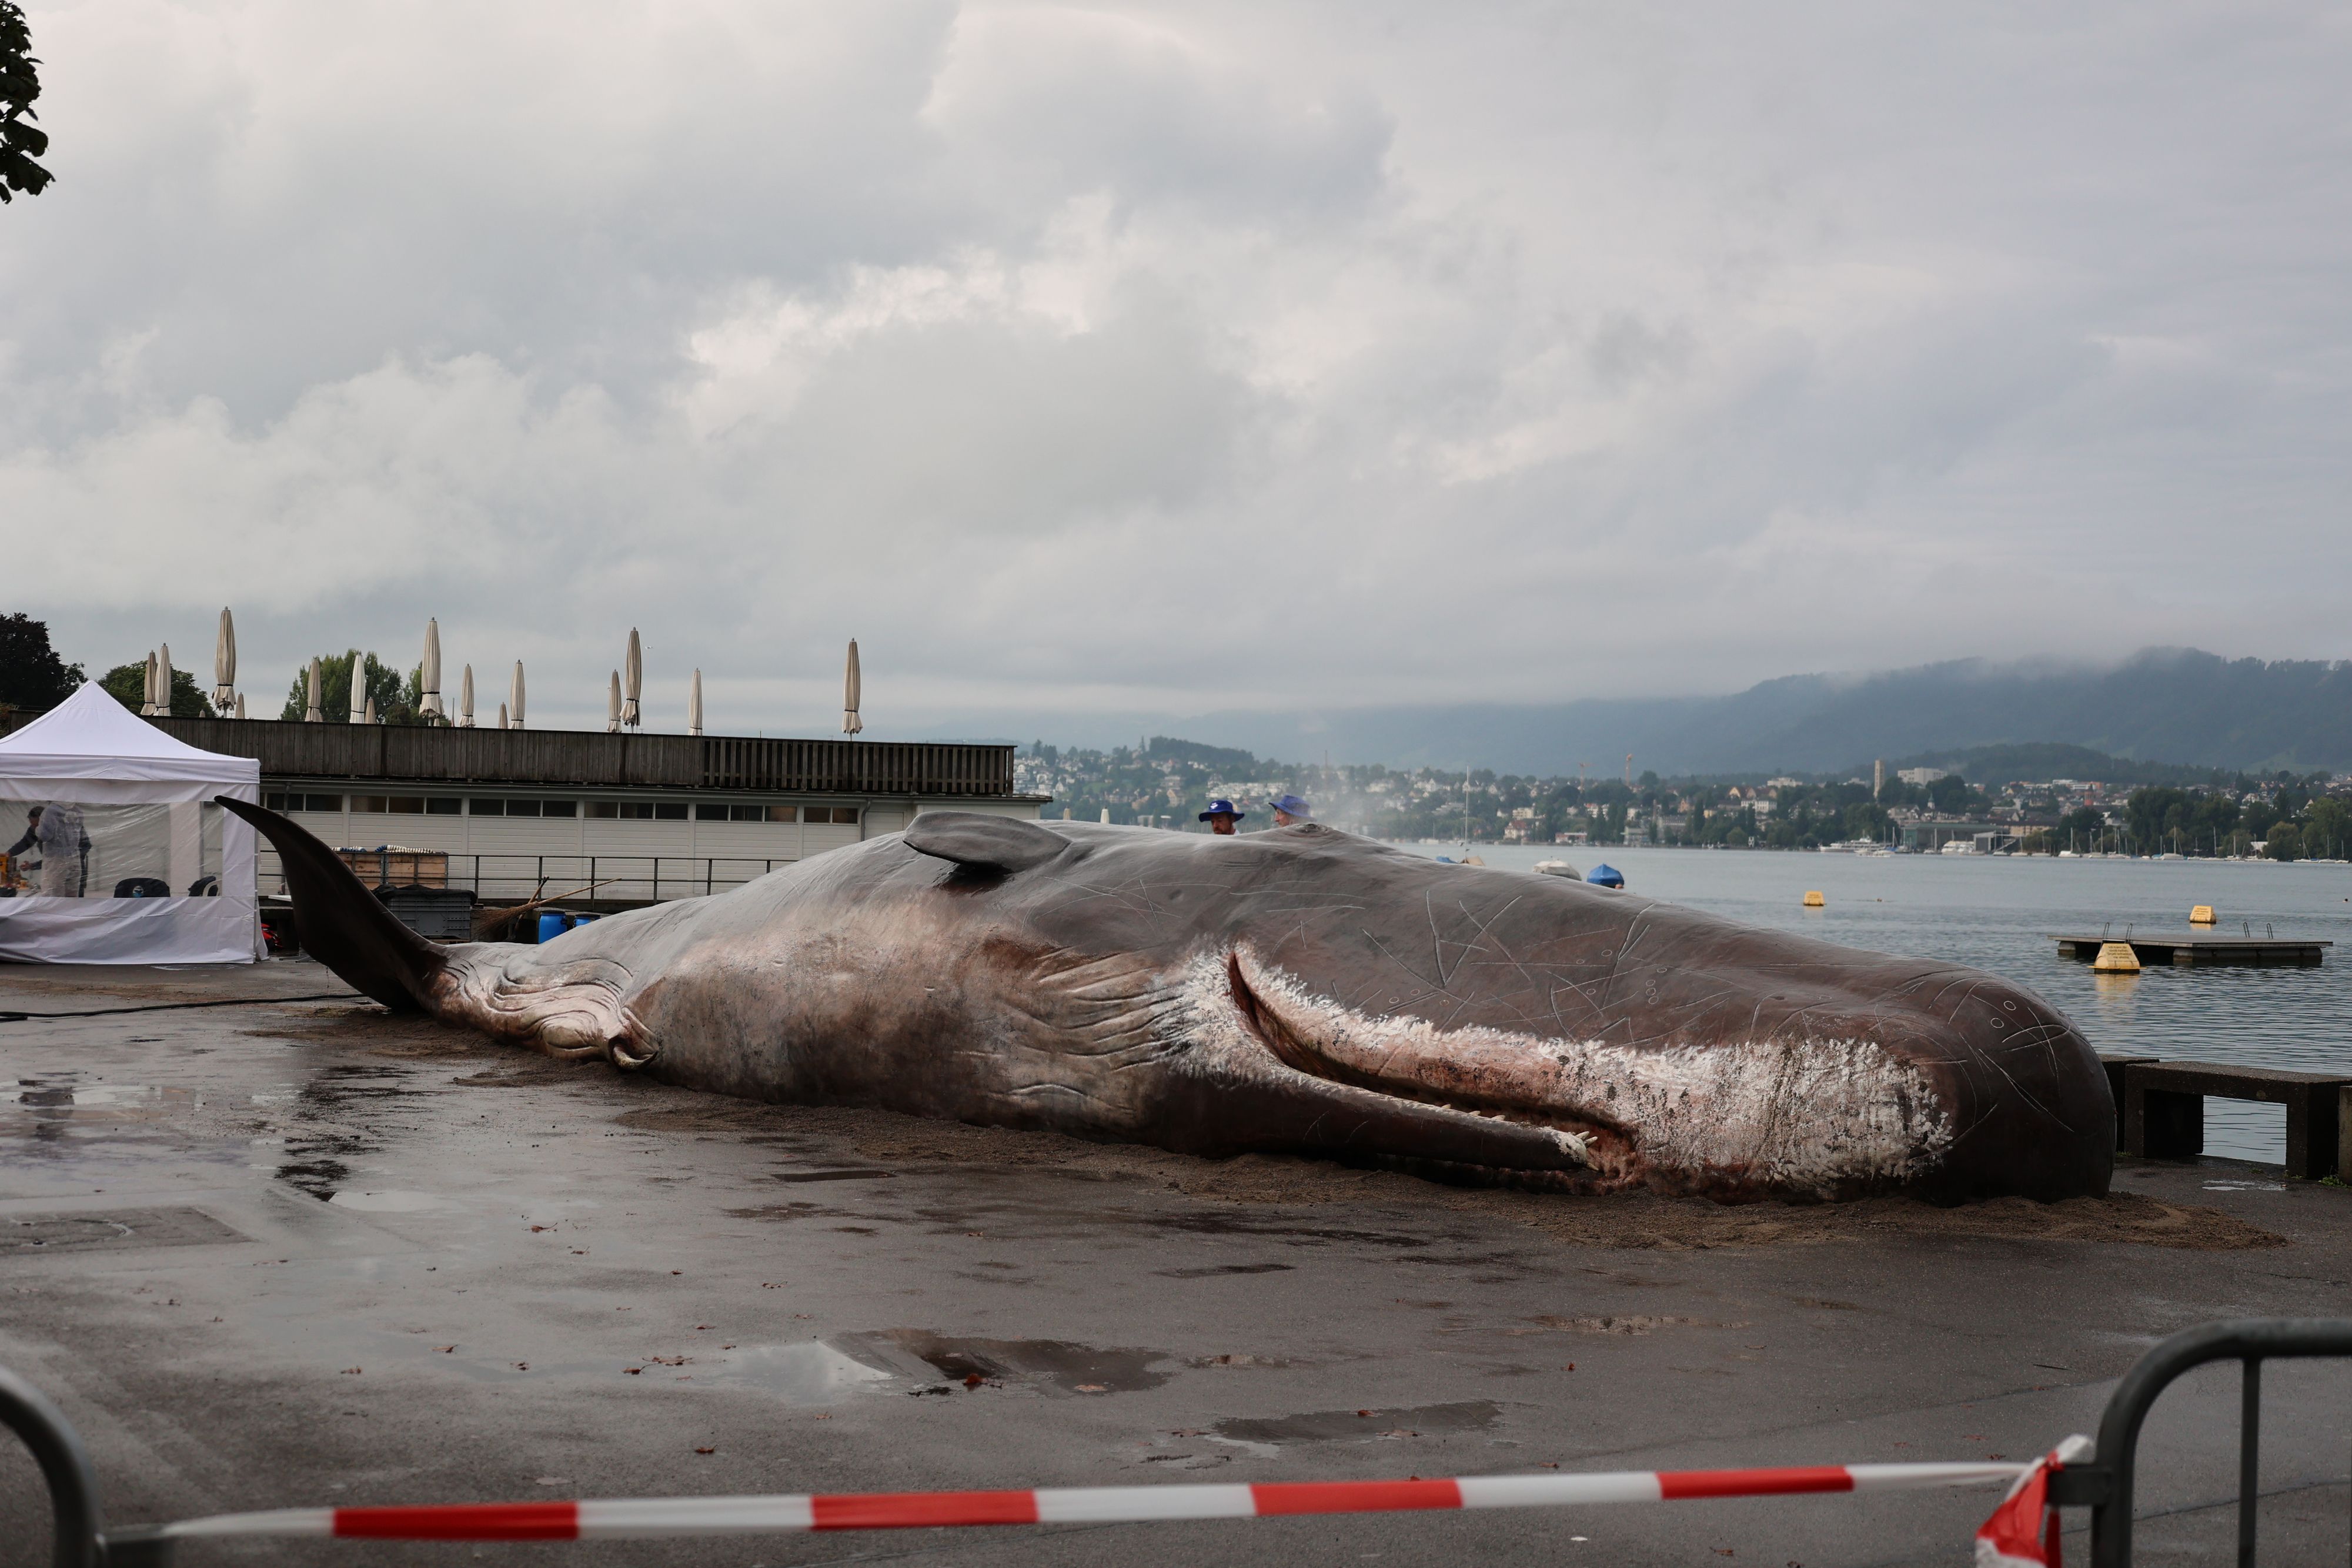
{"x": 1296, "y": 990}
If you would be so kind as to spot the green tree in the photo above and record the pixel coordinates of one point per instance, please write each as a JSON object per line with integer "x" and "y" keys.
{"x": 1867, "y": 820}
{"x": 2080, "y": 828}
{"x": 2326, "y": 829}
{"x": 1952, "y": 796}
{"x": 127, "y": 683}
{"x": 32, "y": 678}
{"x": 20, "y": 83}
{"x": 397, "y": 698}
{"x": 2285, "y": 844}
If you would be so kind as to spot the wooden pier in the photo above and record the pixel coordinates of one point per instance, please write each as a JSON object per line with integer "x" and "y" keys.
{"x": 2262, "y": 951}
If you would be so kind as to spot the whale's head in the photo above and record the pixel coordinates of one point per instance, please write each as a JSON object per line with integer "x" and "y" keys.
{"x": 1305, "y": 989}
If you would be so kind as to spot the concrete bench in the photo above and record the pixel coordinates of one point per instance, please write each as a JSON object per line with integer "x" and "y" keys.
{"x": 2164, "y": 1109}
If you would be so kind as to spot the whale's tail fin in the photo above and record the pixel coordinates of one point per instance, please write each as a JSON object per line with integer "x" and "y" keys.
{"x": 343, "y": 925}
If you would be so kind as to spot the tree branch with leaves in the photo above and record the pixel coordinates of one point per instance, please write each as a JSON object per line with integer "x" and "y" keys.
{"x": 21, "y": 141}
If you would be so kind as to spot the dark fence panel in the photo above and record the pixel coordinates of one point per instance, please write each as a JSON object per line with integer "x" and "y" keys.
{"x": 580, "y": 756}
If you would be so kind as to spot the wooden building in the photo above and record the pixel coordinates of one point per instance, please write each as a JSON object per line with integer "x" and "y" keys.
{"x": 627, "y": 819}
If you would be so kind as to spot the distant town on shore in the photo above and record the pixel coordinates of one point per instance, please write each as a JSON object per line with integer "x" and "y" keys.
{"x": 1994, "y": 800}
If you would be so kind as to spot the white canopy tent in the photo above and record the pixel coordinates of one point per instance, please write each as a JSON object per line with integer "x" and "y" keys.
{"x": 137, "y": 865}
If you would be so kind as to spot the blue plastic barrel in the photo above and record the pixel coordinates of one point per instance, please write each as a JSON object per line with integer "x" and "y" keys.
{"x": 552, "y": 924}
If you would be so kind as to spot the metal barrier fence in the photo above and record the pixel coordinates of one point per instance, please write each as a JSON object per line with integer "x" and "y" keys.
{"x": 2104, "y": 1483}
{"x": 603, "y": 879}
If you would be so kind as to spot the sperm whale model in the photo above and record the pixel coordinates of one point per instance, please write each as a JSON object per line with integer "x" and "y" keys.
{"x": 1299, "y": 990}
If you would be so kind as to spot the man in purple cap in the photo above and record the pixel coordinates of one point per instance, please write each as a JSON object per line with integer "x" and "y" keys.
{"x": 1292, "y": 809}
{"x": 1220, "y": 817}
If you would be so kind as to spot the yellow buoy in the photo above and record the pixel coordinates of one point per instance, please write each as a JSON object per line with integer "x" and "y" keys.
{"x": 2116, "y": 958}
{"x": 1813, "y": 901}
{"x": 2202, "y": 916}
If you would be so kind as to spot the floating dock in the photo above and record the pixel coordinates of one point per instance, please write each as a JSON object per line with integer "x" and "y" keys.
{"x": 2262, "y": 951}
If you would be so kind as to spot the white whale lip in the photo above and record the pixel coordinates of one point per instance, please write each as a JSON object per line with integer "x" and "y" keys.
{"x": 1789, "y": 1113}
{"x": 1295, "y": 1047}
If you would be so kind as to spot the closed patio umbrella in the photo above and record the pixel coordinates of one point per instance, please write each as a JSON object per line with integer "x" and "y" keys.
{"x": 634, "y": 688}
{"x": 852, "y": 688}
{"x": 163, "y": 681}
{"x": 315, "y": 715}
{"x": 516, "y": 695}
{"x": 359, "y": 688}
{"x": 369, "y": 716}
{"x": 612, "y": 707}
{"x": 694, "y": 706}
{"x": 429, "y": 677}
{"x": 147, "y": 708}
{"x": 465, "y": 699}
{"x": 502, "y": 717}
{"x": 225, "y": 665}
{"x": 240, "y": 705}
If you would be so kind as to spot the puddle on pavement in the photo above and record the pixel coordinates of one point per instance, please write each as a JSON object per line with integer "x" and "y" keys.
{"x": 1625, "y": 1323}
{"x": 1218, "y": 1223}
{"x": 1056, "y": 1364}
{"x": 1361, "y": 1425}
{"x": 54, "y": 1107}
{"x": 1215, "y": 1270}
{"x": 810, "y": 1372}
{"x": 384, "y": 1201}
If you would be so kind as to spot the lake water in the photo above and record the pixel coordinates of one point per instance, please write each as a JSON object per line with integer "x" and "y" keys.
{"x": 2000, "y": 912}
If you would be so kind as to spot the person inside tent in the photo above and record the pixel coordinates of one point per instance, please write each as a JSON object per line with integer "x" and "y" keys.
{"x": 56, "y": 831}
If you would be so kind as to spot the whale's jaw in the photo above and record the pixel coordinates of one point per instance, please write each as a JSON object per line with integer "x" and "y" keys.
{"x": 1797, "y": 1116}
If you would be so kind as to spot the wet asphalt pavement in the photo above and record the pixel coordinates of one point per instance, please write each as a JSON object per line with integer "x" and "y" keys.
{"x": 278, "y": 1253}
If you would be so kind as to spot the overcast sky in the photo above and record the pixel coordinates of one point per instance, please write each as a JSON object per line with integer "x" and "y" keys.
{"x": 1095, "y": 364}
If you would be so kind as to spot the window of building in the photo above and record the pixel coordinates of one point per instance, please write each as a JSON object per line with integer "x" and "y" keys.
{"x": 523, "y": 808}
{"x": 443, "y": 805}
{"x": 747, "y": 813}
{"x": 481, "y": 808}
{"x": 665, "y": 813}
{"x": 784, "y": 813}
{"x": 704, "y": 813}
{"x": 292, "y": 802}
{"x": 559, "y": 807}
{"x": 604, "y": 809}
{"x": 367, "y": 803}
{"x": 844, "y": 814}
{"x": 406, "y": 805}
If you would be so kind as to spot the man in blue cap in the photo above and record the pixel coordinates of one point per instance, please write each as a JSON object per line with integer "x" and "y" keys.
{"x": 1291, "y": 809}
{"x": 1220, "y": 817}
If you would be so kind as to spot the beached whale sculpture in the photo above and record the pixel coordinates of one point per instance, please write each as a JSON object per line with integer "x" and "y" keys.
{"x": 1297, "y": 990}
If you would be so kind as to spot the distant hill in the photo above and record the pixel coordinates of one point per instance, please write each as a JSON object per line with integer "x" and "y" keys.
{"x": 2040, "y": 759}
{"x": 2171, "y": 705}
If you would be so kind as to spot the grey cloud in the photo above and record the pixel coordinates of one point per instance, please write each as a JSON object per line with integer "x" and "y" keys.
{"x": 1369, "y": 354}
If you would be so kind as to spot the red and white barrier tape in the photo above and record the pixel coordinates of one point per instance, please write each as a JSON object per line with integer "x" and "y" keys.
{"x": 2023, "y": 1531}
{"x": 624, "y": 1518}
